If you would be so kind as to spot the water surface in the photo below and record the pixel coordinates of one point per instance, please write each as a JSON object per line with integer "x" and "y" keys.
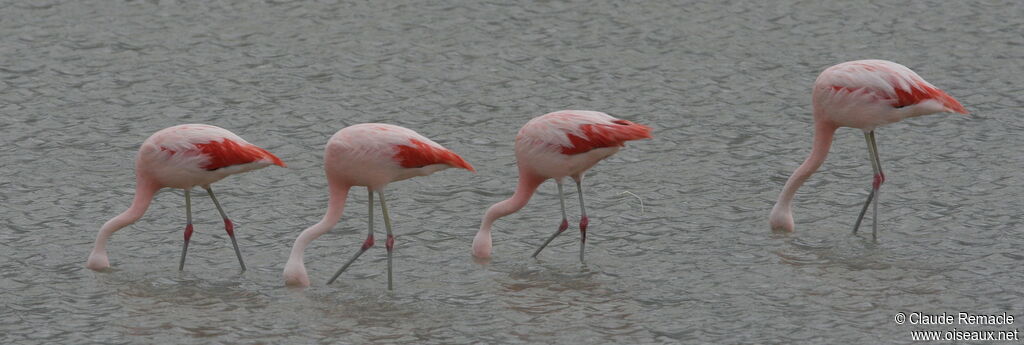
{"x": 726, "y": 85}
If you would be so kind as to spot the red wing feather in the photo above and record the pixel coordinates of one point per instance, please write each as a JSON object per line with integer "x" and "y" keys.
{"x": 605, "y": 135}
{"x": 920, "y": 93}
{"x": 226, "y": 153}
{"x": 420, "y": 154}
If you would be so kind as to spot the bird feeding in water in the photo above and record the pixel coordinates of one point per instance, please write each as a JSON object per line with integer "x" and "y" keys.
{"x": 184, "y": 156}
{"x": 369, "y": 155}
{"x": 863, "y": 94}
{"x": 557, "y": 145}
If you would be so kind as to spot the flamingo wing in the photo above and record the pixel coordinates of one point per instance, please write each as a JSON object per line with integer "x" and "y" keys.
{"x": 924, "y": 91}
{"x": 226, "y": 152}
{"x": 598, "y": 135}
{"x": 417, "y": 154}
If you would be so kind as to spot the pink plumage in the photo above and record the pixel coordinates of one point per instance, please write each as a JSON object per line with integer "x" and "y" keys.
{"x": 863, "y": 94}
{"x": 554, "y": 146}
{"x": 183, "y": 156}
{"x": 866, "y": 94}
{"x": 371, "y": 155}
{"x": 888, "y": 82}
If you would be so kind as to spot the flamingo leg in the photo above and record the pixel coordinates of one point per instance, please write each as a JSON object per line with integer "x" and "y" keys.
{"x": 879, "y": 180}
{"x": 562, "y": 227}
{"x": 390, "y": 243}
{"x": 229, "y": 227}
{"x": 366, "y": 244}
{"x": 188, "y": 228}
{"x": 584, "y": 221}
{"x": 876, "y": 166}
{"x": 863, "y": 210}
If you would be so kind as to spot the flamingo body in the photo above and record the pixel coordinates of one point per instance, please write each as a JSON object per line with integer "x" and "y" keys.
{"x": 371, "y": 155}
{"x": 182, "y": 156}
{"x": 553, "y": 146}
{"x": 186, "y": 156}
{"x": 866, "y": 94}
{"x": 569, "y": 142}
{"x": 863, "y": 94}
{"x": 374, "y": 154}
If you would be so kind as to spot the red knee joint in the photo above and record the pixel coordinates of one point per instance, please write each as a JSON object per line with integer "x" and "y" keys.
{"x": 368, "y": 243}
{"x": 188, "y": 232}
{"x": 565, "y": 225}
{"x": 879, "y": 180}
{"x": 390, "y": 244}
{"x": 229, "y": 227}
{"x": 583, "y": 228}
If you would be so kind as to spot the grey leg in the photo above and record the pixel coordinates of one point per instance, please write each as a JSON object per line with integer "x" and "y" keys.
{"x": 877, "y": 185}
{"x": 584, "y": 221}
{"x": 863, "y": 210}
{"x": 229, "y": 227}
{"x": 562, "y": 227}
{"x": 390, "y": 243}
{"x": 366, "y": 244}
{"x": 188, "y": 228}
{"x": 879, "y": 178}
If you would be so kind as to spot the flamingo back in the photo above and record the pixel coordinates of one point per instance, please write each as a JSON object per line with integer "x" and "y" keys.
{"x": 573, "y": 132}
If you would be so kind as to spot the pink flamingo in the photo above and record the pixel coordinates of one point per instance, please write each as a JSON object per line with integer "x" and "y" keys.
{"x": 862, "y": 94}
{"x": 553, "y": 146}
{"x": 370, "y": 155}
{"x": 183, "y": 156}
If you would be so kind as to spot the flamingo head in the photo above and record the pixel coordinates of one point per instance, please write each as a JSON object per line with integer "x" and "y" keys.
{"x": 97, "y": 261}
{"x": 295, "y": 274}
{"x": 781, "y": 219}
{"x": 482, "y": 244}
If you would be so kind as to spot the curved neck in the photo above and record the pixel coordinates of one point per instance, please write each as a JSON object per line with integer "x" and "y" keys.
{"x": 335, "y": 207}
{"x": 823, "y": 133}
{"x": 144, "y": 192}
{"x": 527, "y": 185}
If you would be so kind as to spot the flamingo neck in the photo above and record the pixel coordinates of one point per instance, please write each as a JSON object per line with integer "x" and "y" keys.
{"x": 782, "y": 213}
{"x": 527, "y": 185}
{"x": 335, "y": 207}
{"x": 144, "y": 192}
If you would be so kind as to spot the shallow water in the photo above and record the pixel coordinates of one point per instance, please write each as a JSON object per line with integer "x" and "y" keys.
{"x": 725, "y": 84}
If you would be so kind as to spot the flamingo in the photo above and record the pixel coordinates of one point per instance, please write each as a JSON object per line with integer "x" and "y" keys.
{"x": 553, "y": 146}
{"x": 184, "y": 156}
{"x": 369, "y": 155}
{"x": 863, "y": 94}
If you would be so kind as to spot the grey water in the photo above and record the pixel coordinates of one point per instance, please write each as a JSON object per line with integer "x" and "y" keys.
{"x": 725, "y": 84}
